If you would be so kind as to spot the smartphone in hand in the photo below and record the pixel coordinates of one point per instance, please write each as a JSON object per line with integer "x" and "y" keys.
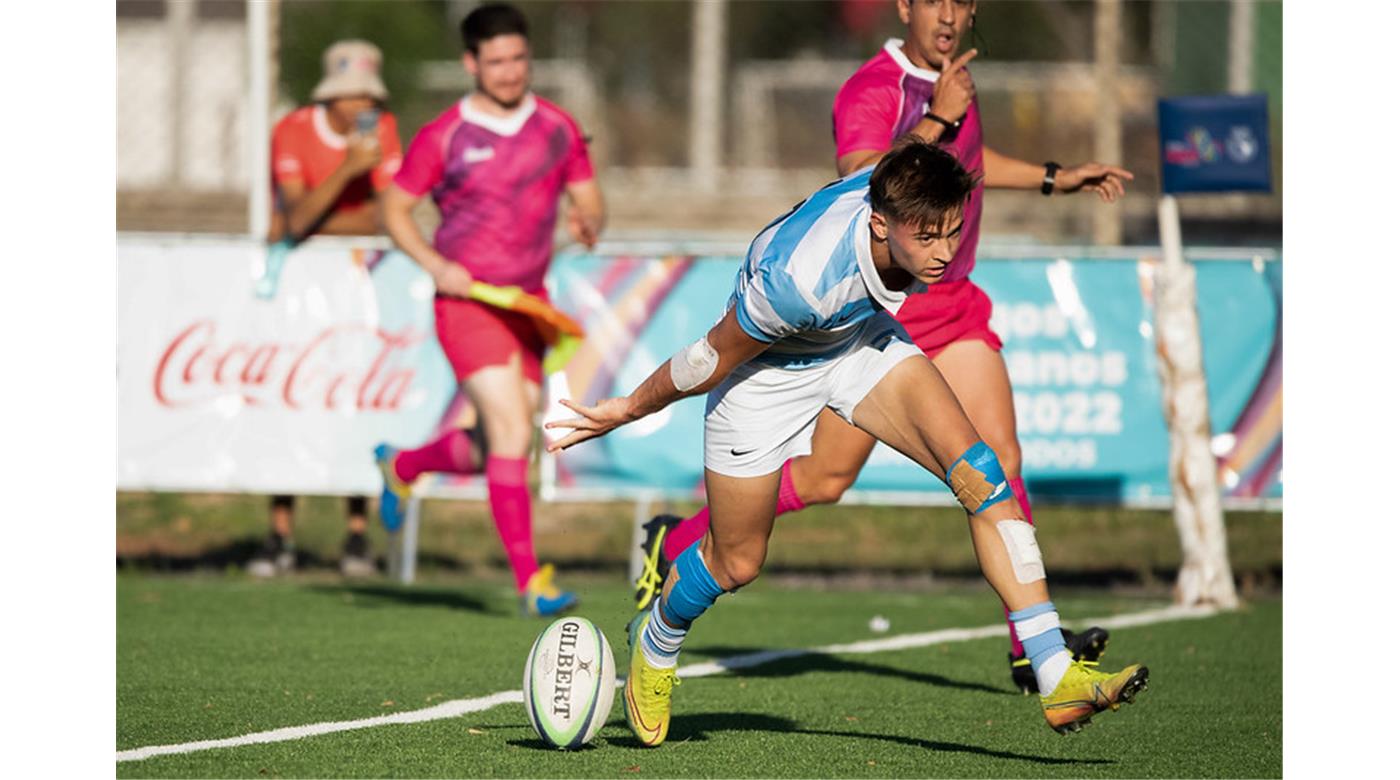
{"x": 367, "y": 122}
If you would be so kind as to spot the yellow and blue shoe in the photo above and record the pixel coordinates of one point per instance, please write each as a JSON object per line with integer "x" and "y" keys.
{"x": 655, "y": 567}
{"x": 1084, "y": 692}
{"x": 646, "y": 693}
{"x": 542, "y": 598}
{"x": 396, "y": 492}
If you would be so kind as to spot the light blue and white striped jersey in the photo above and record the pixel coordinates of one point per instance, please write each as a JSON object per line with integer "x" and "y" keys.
{"x": 809, "y": 279}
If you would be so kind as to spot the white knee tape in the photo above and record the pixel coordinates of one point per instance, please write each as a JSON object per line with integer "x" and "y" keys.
{"x": 694, "y": 364}
{"x": 1019, "y": 538}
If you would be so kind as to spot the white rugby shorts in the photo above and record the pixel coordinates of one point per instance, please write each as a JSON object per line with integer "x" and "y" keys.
{"x": 761, "y": 415}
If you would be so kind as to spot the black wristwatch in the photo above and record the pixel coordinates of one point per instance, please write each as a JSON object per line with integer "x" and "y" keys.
{"x": 951, "y": 125}
{"x": 1047, "y": 185}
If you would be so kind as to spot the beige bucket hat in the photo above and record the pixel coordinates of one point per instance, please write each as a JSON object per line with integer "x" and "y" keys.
{"x": 352, "y": 69}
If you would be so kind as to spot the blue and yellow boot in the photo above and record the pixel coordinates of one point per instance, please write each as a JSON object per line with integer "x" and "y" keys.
{"x": 396, "y": 492}
{"x": 542, "y": 598}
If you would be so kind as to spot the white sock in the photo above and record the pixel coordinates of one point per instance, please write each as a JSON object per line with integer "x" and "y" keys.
{"x": 1051, "y": 671}
{"x": 661, "y": 643}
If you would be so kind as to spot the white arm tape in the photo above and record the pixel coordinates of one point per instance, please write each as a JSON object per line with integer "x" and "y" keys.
{"x": 693, "y": 364}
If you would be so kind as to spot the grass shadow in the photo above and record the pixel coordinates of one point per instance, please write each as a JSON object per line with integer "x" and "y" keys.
{"x": 789, "y": 666}
{"x": 234, "y": 553}
{"x": 374, "y": 596}
{"x": 699, "y": 727}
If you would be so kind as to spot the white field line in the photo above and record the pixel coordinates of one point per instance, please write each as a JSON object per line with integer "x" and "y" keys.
{"x": 459, "y": 707}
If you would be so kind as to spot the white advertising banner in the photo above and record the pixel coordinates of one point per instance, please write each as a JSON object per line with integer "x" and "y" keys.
{"x": 220, "y": 389}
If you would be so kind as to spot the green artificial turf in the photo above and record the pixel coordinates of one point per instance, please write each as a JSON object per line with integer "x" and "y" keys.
{"x": 211, "y": 656}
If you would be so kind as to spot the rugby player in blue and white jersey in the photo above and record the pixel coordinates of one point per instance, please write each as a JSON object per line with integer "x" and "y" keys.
{"x": 808, "y": 327}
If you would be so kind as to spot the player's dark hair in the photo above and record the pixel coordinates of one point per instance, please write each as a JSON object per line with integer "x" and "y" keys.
{"x": 917, "y": 183}
{"x": 487, "y": 21}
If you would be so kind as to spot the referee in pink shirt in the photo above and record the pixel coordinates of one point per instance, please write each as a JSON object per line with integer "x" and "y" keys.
{"x": 495, "y": 164}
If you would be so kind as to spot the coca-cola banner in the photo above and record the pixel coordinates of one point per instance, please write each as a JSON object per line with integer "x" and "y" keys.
{"x": 228, "y": 382}
{"x": 225, "y": 390}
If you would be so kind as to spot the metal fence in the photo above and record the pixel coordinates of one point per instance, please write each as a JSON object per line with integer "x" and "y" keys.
{"x": 685, "y": 99}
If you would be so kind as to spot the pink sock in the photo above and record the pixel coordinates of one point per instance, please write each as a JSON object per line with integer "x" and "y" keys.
{"x": 451, "y": 452}
{"x": 1019, "y": 489}
{"x": 685, "y": 534}
{"x": 693, "y": 528}
{"x": 510, "y": 508}
{"x": 788, "y": 500}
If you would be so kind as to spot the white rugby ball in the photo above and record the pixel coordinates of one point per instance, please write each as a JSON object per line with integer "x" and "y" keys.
{"x": 570, "y": 679}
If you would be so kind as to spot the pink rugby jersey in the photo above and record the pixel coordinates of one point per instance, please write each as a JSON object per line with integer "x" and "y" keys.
{"x": 884, "y": 100}
{"x": 497, "y": 182}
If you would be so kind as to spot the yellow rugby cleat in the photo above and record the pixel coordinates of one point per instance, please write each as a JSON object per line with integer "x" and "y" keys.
{"x": 647, "y": 692}
{"x": 655, "y": 567}
{"x": 1083, "y": 692}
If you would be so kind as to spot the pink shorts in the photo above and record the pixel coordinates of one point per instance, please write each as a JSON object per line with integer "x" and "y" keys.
{"x": 954, "y": 311}
{"x": 476, "y": 335}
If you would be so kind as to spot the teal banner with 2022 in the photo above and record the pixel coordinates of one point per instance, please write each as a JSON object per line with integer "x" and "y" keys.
{"x": 1079, "y": 346}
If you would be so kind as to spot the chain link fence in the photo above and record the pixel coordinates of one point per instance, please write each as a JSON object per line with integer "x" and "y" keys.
{"x": 624, "y": 69}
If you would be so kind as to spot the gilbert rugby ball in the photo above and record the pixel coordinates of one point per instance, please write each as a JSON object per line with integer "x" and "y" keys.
{"x": 569, "y": 682}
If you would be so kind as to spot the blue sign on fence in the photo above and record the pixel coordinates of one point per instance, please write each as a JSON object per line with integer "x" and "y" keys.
{"x": 1218, "y": 143}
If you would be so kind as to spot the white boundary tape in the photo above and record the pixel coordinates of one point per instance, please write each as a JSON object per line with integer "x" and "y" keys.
{"x": 459, "y": 707}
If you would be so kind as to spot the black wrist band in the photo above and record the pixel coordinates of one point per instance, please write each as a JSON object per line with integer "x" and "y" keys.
{"x": 1047, "y": 185}
{"x": 940, "y": 120}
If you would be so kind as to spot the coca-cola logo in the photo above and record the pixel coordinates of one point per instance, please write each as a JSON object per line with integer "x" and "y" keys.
{"x": 328, "y": 371}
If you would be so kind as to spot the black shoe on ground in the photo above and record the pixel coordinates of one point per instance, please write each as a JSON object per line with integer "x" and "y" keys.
{"x": 277, "y": 556}
{"x": 655, "y": 567}
{"x": 355, "y": 560}
{"x": 1022, "y": 675}
{"x": 1085, "y": 646}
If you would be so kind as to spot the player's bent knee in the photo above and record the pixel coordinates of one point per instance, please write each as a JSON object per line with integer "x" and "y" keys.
{"x": 508, "y": 439}
{"x": 734, "y": 571}
{"x": 1009, "y": 456}
{"x": 977, "y": 479}
{"x": 829, "y": 489}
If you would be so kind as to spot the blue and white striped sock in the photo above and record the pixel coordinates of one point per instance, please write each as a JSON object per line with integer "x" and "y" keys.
{"x": 661, "y": 643}
{"x": 1038, "y": 628}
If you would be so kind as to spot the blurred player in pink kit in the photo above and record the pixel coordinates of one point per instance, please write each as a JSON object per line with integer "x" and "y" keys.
{"x": 495, "y": 164}
{"x": 921, "y": 85}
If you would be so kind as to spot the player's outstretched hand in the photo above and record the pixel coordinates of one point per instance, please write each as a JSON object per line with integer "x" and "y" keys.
{"x": 1108, "y": 181}
{"x": 592, "y": 422}
{"x": 452, "y": 279}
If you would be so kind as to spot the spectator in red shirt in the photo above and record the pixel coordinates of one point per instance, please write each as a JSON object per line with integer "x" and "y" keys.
{"x": 330, "y": 161}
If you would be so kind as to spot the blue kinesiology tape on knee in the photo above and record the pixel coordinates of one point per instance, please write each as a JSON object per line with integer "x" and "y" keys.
{"x": 977, "y": 480}
{"x": 695, "y": 590}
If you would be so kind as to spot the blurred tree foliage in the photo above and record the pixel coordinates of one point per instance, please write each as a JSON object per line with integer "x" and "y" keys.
{"x": 408, "y": 32}
{"x": 638, "y": 51}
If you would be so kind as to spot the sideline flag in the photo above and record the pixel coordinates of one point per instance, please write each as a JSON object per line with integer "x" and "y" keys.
{"x": 560, "y": 331}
